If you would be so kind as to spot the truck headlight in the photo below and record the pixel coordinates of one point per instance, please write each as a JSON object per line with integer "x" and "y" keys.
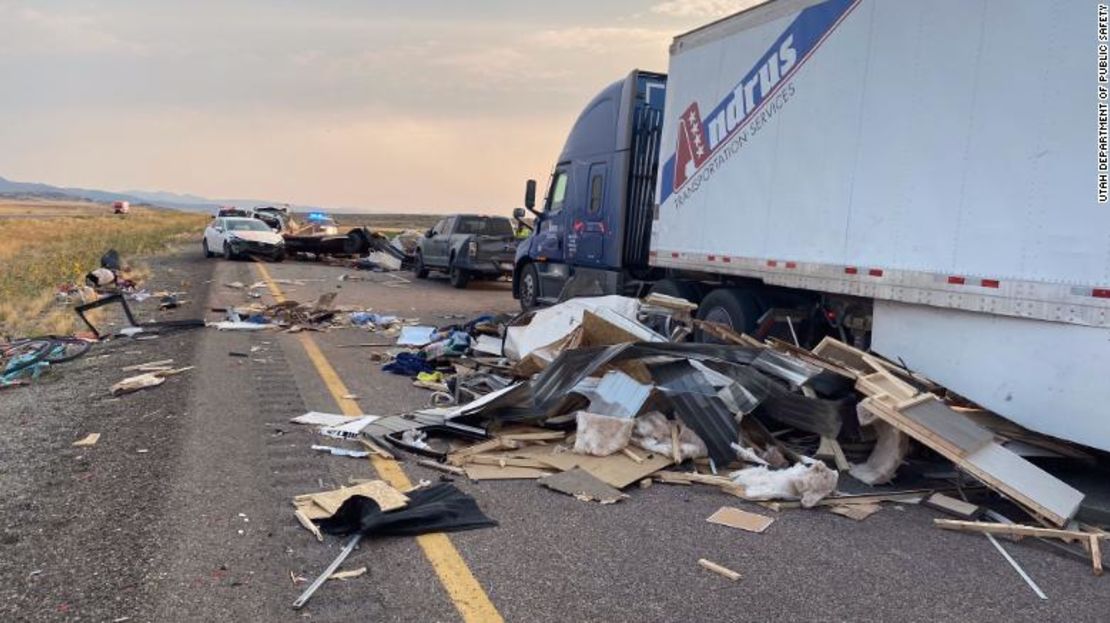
{"x": 472, "y": 248}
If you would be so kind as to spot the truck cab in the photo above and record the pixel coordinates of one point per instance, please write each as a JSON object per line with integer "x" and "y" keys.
{"x": 593, "y": 228}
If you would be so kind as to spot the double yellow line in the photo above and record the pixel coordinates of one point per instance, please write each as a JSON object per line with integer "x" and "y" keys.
{"x": 462, "y": 587}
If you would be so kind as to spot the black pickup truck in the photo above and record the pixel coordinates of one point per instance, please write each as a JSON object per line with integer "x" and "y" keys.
{"x": 467, "y": 246}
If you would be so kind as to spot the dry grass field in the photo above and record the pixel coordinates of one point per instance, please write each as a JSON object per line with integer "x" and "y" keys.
{"x": 46, "y": 244}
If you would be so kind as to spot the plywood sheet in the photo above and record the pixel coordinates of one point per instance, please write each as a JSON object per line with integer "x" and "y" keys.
{"x": 736, "y": 518}
{"x": 326, "y": 503}
{"x": 617, "y": 470}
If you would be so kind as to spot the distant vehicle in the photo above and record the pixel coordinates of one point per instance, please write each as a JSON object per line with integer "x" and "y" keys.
{"x": 276, "y": 219}
{"x": 121, "y": 207}
{"x": 318, "y": 224}
{"x": 467, "y": 246}
{"x": 241, "y": 236}
{"x": 231, "y": 211}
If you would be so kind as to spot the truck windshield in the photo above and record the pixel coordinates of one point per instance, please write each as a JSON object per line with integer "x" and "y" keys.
{"x": 484, "y": 225}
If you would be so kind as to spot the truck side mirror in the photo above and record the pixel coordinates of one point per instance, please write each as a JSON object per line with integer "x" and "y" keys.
{"x": 530, "y": 195}
{"x": 430, "y": 233}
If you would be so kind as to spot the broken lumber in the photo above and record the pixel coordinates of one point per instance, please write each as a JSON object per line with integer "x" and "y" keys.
{"x": 459, "y": 457}
{"x": 442, "y": 467}
{"x": 1012, "y": 529}
{"x": 973, "y": 450}
{"x": 718, "y": 569}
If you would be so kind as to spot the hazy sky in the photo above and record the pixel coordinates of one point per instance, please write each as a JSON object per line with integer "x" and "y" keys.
{"x": 377, "y": 105}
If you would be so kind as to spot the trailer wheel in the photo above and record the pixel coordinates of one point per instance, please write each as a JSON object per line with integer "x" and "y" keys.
{"x": 732, "y": 307}
{"x": 680, "y": 289}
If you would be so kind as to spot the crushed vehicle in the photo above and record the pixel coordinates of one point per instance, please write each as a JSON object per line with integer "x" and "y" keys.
{"x": 467, "y": 246}
{"x": 275, "y": 218}
{"x": 235, "y": 237}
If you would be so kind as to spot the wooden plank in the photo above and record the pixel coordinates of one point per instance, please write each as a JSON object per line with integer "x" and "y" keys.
{"x": 736, "y": 518}
{"x": 952, "y": 506}
{"x": 1096, "y": 553}
{"x": 442, "y": 467}
{"x": 1012, "y": 529}
{"x": 718, "y": 569}
{"x": 840, "y": 353}
{"x": 810, "y": 358}
{"x": 553, "y": 435}
{"x": 859, "y": 512}
{"x": 912, "y": 496}
{"x": 494, "y": 472}
{"x": 877, "y": 383}
{"x": 492, "y": 445}
{"x": 505, "y": 461}
{"x": 903, "y": 388}
{"x": 676, "y": 453}
{"x": 308, "y": 524}
{"x": 632, "y": 455}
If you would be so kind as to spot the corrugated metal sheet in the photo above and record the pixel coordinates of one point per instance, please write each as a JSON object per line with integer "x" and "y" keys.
{"x": 696, "y": 403}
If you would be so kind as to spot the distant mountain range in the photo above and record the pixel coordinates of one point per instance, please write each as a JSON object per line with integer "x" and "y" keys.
{"x": 156, "y": 198}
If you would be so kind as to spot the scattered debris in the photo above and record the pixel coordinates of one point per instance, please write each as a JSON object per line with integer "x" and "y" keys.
{"x": 354, "y": 454}
{"x": 718, "y": 569}
{"x": 144, "y": 381}
{"x": 87, "y": 440}
{"x": 347, "y": 575}
{"x": 583, "y": 486}
{"x": 736, "y": 518}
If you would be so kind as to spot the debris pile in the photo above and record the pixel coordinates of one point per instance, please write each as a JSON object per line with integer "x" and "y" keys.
{"x": 594, "y": 395}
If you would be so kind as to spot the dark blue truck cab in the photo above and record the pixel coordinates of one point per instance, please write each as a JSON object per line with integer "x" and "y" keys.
{"x": 591, "y": 234}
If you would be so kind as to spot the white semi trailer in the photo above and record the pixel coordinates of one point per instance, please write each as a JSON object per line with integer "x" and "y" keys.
{"x": 929, "y": 174}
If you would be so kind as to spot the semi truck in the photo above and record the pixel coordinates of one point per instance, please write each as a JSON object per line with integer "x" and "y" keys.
{"x": 924, "y": 179}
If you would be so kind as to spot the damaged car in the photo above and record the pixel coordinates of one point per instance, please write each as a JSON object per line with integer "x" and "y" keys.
{"x": 235, "y": 237}
{"x": 467, "y": 246}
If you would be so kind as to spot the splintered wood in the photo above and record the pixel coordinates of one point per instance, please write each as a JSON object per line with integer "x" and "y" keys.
{"x": 718, "y": 569}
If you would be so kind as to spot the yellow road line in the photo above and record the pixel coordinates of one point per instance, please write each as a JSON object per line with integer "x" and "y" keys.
{"x": 463, "y": 588}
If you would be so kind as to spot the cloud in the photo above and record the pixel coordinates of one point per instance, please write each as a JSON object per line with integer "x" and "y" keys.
{"x": 27, "y": 30}
{"x": 602, "y": 39}
{"x": 703, "y": 8}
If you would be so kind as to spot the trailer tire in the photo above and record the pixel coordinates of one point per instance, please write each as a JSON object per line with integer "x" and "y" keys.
{"x": 681, "y": 289}
{"x": 734, "y": 307}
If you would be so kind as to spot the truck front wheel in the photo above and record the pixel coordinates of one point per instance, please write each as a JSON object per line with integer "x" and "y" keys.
{"x": 732, "y": 307}
{"x": 529, "y": 287}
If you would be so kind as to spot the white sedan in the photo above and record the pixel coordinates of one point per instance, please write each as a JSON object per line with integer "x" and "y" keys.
{"x": 235, "y": 237}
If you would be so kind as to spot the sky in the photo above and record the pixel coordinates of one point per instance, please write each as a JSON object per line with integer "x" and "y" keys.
{"x": 372, "y": 105}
